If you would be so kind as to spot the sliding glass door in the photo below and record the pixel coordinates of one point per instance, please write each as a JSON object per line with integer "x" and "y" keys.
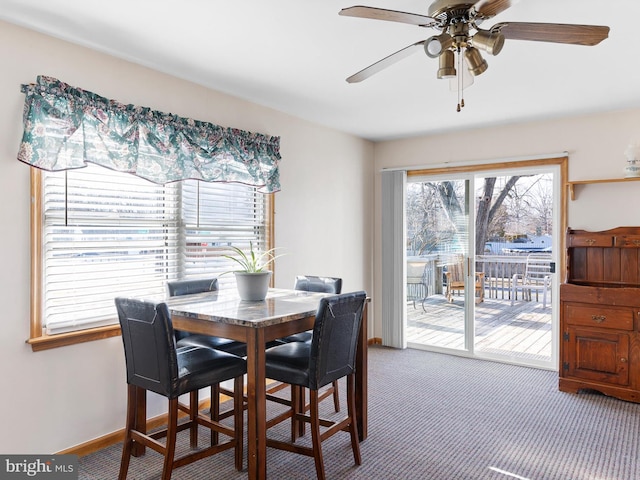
{"x": 515, "y": 218}
{"x": 481, "y": 262}
{"x": 438, "y": 261}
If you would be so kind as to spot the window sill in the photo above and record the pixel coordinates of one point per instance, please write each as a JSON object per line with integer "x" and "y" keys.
{"x": 46, "y": 342}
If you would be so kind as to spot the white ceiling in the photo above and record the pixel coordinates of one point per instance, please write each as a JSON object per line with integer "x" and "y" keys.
{"x": 294, "y": 56}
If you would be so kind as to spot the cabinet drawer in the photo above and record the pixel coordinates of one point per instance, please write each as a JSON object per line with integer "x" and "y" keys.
{"x": 591, "y": 240}
{"x": 629, "y": 241}
{"x": 599, "y": 316}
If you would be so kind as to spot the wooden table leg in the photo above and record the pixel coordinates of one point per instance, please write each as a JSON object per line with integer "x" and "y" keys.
{"x": 361, "y": 377}
{"x": 256, "y": 411}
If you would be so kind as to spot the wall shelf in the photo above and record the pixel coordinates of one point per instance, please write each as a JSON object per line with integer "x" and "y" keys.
{"x": 572, "y": 185}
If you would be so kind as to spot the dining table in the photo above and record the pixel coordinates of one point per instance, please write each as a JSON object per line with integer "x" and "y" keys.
{"x": 283, "y": 312}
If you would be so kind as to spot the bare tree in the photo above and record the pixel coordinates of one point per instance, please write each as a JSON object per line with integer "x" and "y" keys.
{"x": 436, "y": 214}
{"x": 422, "y": 218}
{"x": 534, "y": 202}
{"x": 488, "y": 208}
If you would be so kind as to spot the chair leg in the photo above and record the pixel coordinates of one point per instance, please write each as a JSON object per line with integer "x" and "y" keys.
{"x": 351, "y": 408}
{"x": 315, "y": 435}
{"x": 297, "y": 407}
{"x": 336, "y": 396}
{"x": 332, "y": 391}
{"x": 302, "y": 408}
{"x": 238, "y": 419}
{"x": 193, "y": 414}
{"x": 214, "y": 412}
{"x": 127, "y": 445}
{"x": 172, "y": 430}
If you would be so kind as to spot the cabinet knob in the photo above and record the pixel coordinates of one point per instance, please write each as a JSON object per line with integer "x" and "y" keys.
{"x": 598, "y": 318}
{"x": 623, "y": 360}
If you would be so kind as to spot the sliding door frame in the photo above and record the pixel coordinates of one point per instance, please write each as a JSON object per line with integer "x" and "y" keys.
{"x": 560, "y": 166}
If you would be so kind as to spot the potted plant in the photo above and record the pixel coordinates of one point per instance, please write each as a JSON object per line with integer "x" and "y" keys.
{"x": 253, "y": 278}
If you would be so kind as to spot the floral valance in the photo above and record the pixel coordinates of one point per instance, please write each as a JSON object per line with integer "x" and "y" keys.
{"x": 65, "y": 127}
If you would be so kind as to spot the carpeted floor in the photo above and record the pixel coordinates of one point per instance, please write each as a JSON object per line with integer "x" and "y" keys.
{"x": 440, "y": 417}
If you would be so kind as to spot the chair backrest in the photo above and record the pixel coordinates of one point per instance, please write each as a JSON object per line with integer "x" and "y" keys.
{"x": 149, "y": 345}
{"x": 335, "y": 337}
{"x": 416, "y": 272}
{"x": 455, "y": 269}
{"x": 309, "y": 283}
{"x": 187, "y": 287}
{"x": 538, "y": 268}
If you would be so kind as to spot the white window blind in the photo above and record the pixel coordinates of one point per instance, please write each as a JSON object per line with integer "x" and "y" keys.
{"x": 215, "y": 217}
{"x": 109, "y": 234}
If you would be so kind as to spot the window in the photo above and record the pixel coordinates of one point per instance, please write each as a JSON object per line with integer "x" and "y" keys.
{"x": 98, "y": 234}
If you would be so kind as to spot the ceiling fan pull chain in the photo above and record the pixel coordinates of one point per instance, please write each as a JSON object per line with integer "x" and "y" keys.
{"x": 458, "y": 80}
{"x": 460, "y": 83}
{"x": 460, "y": 68}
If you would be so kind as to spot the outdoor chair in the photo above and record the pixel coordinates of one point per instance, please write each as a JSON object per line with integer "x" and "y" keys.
{"x": 154, "y": 363}
{"x": 536, "y": 278}
{"x": 417, "y": 286}
{"x": 455, "y": 280}
{"x": 328, "y": 357}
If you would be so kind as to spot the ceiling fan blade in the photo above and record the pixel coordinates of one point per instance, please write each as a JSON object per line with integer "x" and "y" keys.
{"x": 385, "y": 62}
{"x": 553, "y": 32}
{"x": 388, "y": 15}
{"x": 491, "y": 8}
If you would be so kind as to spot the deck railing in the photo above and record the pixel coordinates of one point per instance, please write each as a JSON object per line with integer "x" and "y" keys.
{"x": 425, "y": 274}
{"x": 498, "y": 273}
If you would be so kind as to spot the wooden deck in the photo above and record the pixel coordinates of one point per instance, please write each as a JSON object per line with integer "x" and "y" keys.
{"x": 521, "y": 331}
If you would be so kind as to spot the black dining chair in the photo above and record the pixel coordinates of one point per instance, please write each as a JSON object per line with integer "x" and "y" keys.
{"x": 154, "y": 363}
{"x": 188, "y": 287}
{"x": 310, "y": 283}
{"x": 329, "y": 356}
{"x": 201, "y": 285}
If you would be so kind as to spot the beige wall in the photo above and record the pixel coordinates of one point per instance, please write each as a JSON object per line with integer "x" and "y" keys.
{"x": 594, "y": 143}
{"x": 58, "y": 398}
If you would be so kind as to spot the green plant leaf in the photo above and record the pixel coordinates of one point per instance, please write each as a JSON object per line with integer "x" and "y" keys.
{"x": 252, "y": 263}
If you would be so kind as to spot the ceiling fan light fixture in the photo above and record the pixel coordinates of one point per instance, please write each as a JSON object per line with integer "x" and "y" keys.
{"x": 447, "y": 65}
{"x": 477, "y": 65}
{"x": 491, "y": 43}
{"x": 434, "y": 46}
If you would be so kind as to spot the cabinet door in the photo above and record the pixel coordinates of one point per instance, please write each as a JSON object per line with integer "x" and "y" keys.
{"x": 597, "y": 354}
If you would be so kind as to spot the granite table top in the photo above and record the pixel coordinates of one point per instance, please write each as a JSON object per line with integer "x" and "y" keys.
{"x": 281, "y": 305}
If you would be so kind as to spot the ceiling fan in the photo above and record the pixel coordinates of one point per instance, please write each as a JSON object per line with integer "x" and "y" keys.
{"x": 460, "y": 34}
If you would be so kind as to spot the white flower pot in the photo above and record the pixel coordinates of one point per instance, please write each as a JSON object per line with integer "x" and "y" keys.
{"x": 253, "y": 286}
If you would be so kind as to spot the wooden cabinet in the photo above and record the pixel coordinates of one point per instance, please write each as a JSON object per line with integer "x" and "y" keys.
{"x": 600, "y": 313}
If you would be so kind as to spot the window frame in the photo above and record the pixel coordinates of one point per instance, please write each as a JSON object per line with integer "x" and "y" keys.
{"x": 38, "y": 339}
